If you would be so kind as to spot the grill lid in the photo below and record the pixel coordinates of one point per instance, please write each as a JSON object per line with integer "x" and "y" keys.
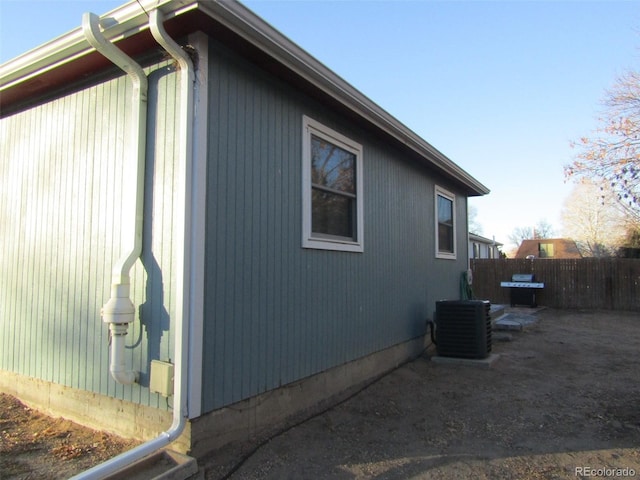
{"x": 523, "y": 277}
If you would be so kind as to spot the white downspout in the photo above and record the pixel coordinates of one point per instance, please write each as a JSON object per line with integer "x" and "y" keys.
{"x": 184, "y": 161}
{"x": 119, "y": 311}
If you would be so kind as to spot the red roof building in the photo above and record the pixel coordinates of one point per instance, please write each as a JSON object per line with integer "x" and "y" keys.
{"x": 548, "y": 248}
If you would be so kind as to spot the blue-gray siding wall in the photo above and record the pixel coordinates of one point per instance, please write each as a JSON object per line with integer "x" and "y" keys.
{"x": 275, "y": 312}
{"x": 62, "y": 166}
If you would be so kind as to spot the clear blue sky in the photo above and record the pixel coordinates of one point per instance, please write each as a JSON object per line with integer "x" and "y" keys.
{"x": 500, "y": 87}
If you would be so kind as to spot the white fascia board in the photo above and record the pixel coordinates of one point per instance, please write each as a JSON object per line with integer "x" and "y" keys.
{"x": 258, "y": 32}
{"x": 481, "y": 239}
{"x": 130, "y": 19}
{"x": 198, "y": 202}
{"x": 120, "y": 23}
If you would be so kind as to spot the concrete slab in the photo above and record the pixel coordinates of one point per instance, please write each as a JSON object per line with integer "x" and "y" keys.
{"x": 524, "y": 310}
{"x": 497, "y": 310}
{"x": 162, "y": 465}
{"x": 501, "y": 337}
{"x": 483, "y": 363}
{"x": 507, "y": 324}
{"x": 514, "y": 321}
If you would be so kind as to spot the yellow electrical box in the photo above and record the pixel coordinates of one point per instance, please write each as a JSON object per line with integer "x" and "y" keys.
{"x": 161, "y": 378}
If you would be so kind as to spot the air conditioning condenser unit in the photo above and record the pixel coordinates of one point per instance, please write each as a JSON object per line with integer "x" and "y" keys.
{"x": 463, "y": 328}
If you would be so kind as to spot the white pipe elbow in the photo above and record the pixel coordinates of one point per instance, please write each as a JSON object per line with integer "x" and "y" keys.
{"x": 119, "y": 312}
{"x": 117, "y": 367}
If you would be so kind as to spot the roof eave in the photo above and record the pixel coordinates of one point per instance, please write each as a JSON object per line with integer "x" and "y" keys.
{"x": 121, "y": 23}
{"x": 480, "y": 238}
{"x": 264, "y": 36}
{"x": 129, "y": 20}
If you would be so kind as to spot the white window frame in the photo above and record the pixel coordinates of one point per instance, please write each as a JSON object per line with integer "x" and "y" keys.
{"x": 441, "y": 192}
{"x": 328, "y": 242}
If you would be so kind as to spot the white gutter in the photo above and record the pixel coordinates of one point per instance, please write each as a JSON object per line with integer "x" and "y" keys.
{"x": 119, "y": 311}
{"x": 259, "y": 33}
{"x": 184, "y": 164}
{"x": 129, "y": 20}
{"x": 123, "y": 22}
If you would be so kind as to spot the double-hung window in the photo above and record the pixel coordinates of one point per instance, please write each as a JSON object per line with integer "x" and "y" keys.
{"x": 445, "y": 224}
{"x": 332, "y": 189}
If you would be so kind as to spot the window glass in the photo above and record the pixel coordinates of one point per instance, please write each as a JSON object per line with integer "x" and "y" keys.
{"x": 332, "y": 189}
{"x": 332, "y": 214}
{"x": 545, "y": 250}
{"x": 332, "y": 167}
{"x": 445, "y": 224}
{"x": 333, "y": 199}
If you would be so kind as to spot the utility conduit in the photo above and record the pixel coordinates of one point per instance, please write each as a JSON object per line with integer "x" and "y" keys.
{"x": 119, "y": 311}
{"x": 184, "y": 161}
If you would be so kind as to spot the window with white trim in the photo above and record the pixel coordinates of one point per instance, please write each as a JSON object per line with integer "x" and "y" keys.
{"x": 445, "y": 224}
{"x": 332, "y": 189}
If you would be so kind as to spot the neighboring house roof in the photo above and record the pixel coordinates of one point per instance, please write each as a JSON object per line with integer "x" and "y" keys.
{"x": 548, "y": 248}
{"x": 477, "y": 238}
{"x": 67, "y": 59}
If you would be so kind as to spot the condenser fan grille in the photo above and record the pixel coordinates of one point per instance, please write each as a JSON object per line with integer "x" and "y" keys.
{"x": 463, "y": 328}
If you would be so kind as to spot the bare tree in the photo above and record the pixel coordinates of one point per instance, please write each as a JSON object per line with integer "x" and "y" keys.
{"x": 542, "y": 229}
{"x": 591, "y": 217}
{"x": 611, "y": 158}
{"x": 519, "y": 234}
{"x": 474, "y": 225}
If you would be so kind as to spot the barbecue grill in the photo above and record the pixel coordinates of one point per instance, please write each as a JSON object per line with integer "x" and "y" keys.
{"x": 523, "y": 288}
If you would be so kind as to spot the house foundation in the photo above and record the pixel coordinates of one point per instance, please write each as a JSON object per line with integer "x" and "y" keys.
{"x": 93, "y": 410}
{"x": 264, "y": 415}
{"x": 258, "y": 417}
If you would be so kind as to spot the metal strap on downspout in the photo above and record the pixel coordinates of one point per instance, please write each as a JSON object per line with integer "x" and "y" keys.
{"x": 183, "y": 162}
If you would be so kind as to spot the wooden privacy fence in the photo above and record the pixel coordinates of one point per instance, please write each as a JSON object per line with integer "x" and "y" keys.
{"x": 591, "y": 283}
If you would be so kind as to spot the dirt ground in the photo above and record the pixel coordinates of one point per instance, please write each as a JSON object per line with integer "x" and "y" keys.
{"x": 563, "y": 401}
{"x": 35, "y": 446}
{"x": 565, "y": 394}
